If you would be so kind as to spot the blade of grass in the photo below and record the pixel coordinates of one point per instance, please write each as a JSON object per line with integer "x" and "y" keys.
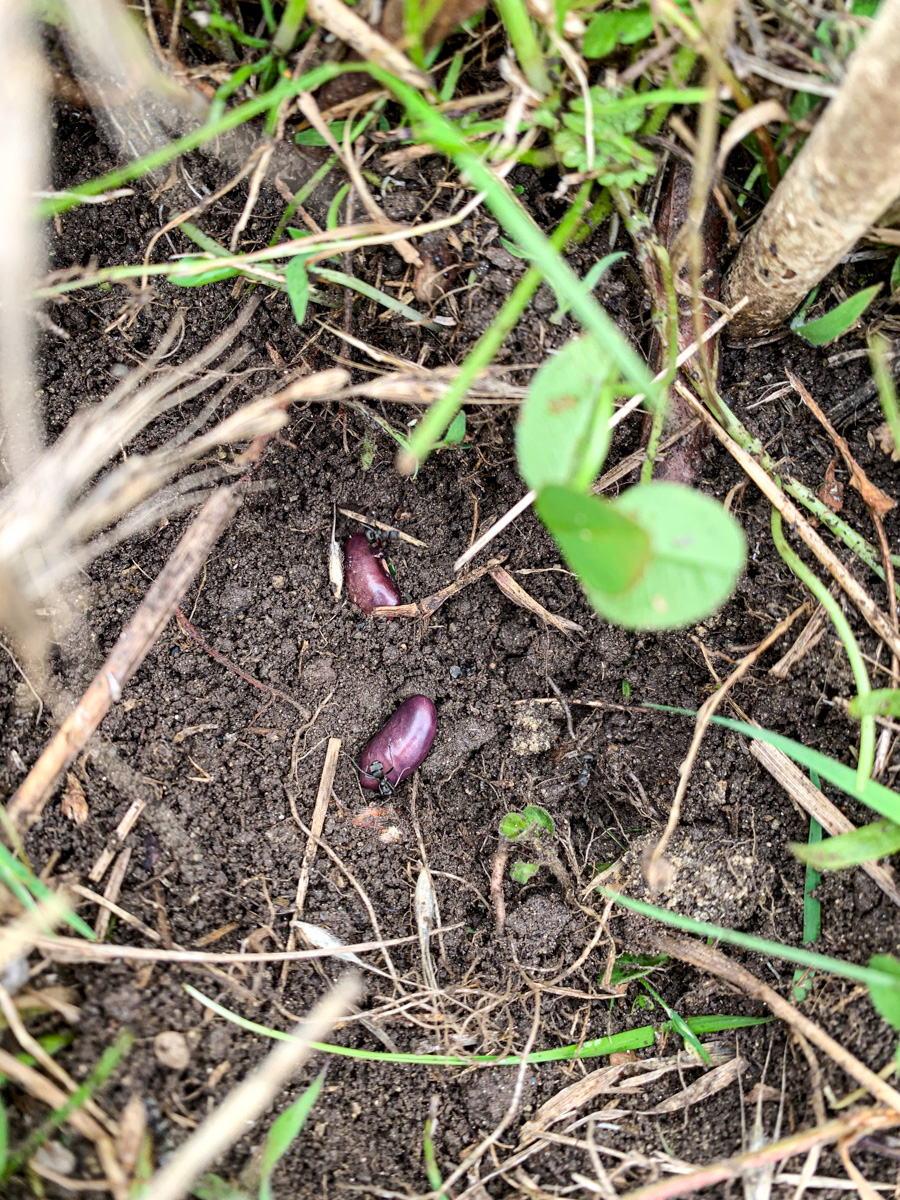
{"x": 874, "y": 795}
{"x": 440, "y": 414}
{"x": 105, "y": 1066}
{"x": 520, "y": 30}
{"x": 631, "y": 1039}
{"x": 748, "y": 941}
{"x": 288, "y": 27}
{"x": 433, "y": 127}
{"x": 206, "y": 132}
{"x": 285, "y": 1130}
{"x": 854, "y": 541}
{"x": 842, "y": 626}
{"x": 812, "y": 908}
{"x": 24, "y": 885}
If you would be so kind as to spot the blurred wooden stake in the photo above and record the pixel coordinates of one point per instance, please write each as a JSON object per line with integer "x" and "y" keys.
{"x": 132, "y": 647}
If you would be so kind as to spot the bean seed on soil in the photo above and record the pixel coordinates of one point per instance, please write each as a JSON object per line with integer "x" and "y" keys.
{"x": 369, "y": 582}
{"x": 400, "y": 746}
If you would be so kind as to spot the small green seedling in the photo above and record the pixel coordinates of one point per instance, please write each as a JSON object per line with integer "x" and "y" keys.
{"x": 658, "y": 557}
{"x": 834, "y": 324}
{"x": 532, "y": 827}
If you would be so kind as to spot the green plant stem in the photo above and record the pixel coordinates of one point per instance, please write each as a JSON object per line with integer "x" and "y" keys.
{"x": 854, "y": 541}
{"x": 630, "y": 1039}
{"x": 860, "y": 676}
{"x": 520, "y": 30}
{"x": 887, "y": 392}
{"x": 434, "y": 424}
{"x": 231, "y": 85}
{"x": 206, "y": 132}
{"x": 107, "y": 1063}
{"x": 286, "y": 33}
{"x": 429, "y": 1155}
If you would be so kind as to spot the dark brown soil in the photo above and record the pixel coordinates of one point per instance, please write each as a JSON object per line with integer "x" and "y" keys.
{"x": 218, "y": 846}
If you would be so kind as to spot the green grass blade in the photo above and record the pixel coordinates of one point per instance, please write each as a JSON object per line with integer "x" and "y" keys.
{"x": 285, "y": 1129}
{"x": 874, "y": 795}
{"x": 440, "y": 414}
{"x": 630, "y": 1039}
{"x": 24, "y": 885}
{"x": 837, "y": 322}
{"x": 106, "y": 1065}
{"x": 433, "y": 127}
{"x": 866, "y": 844}
{"x": 193, "y": 140}
{"x": 747, "y": 941}
{"x": 679, "y": 1024}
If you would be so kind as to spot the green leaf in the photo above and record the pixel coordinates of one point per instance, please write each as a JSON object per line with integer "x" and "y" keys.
{"x": 867, "y": 844}
{"x": 604, "y": 547}
{"x": 512, "y": 248}
{"x": 457, "y": 430}
{"x": 885, "y": 998}
{"x": 697, "y": 551}
{"x": 4, "y": 1137}
{"x": 679, "y": 1024}
{"x": 612, "y": 26}
{"x": 882, "y": 702}
{"x": 836, "y": 323}
{"x": 213, "y": 275}
{"x": 285, "y": 1128}
{"x": 311, "y": 137}
{"x": 537, "y": 816}
{"x": 521, "y": 872}
{"x": 297, "y": 281}
{"x": 895, "y": 275}
{"x": 513, "y": 825}
{"x": 563, "y": 432}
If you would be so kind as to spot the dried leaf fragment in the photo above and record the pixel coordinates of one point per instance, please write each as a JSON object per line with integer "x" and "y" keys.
{"x": 132, "y": 1127}
{"x": 701, "y": 1089}
{"x": 832, "y": 490}
{"x": 881, "y": 436}
{"x": 515, "y": 592}
{"x": 74, "y": 804}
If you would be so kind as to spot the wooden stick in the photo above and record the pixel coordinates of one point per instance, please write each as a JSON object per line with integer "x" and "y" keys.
{"x": 429, "y": 606}
{"x": 111, "y": 892}
{"x": 317, "y": 823}
{"x": 126, "y": 656}
{"x": 713, "y": 962}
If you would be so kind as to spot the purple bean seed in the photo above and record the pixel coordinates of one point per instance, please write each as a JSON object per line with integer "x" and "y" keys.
{"x": 399, "y": 746}
{"x": 369, "y": 583}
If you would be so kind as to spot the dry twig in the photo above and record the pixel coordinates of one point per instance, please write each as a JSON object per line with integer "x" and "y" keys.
{"x": 713, "y": 962}
{"x": 515, "y": 592}
{"x": 429, "y": 606}
{"x": 129, "y": 652}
